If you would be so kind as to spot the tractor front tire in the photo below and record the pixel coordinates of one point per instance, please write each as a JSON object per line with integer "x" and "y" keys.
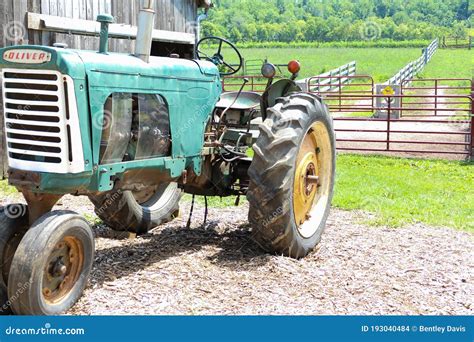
{"x": 51, "y": 265}
{"x": 138, "y": 212}
{"x": 292, "y": 176}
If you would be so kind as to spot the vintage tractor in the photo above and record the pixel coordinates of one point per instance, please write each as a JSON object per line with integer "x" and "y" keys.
{"x": 133, "y": 132}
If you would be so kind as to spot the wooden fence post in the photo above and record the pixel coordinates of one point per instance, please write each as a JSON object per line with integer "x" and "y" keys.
{"x": 471, "y": 155}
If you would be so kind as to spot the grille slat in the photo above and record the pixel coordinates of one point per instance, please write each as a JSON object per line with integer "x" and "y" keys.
{"x": 53, "y": 125}
{"x": 33, "y": 142}
{"x": 30, "y": 86}
{"x": 27, "y": 117}
{"x": 31, "y": 112}
{"x": 34, "y": 113}
{"x": 30, "y": 103}
{"x": 30, "y": 91}
{"x": 29, "y": 132}
{"x": 34, "y": 153}
{"x": 26, "y": 81}
{"x": 41, "y": 124}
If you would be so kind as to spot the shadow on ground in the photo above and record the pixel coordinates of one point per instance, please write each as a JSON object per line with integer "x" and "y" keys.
{"x": 232, "y": 248}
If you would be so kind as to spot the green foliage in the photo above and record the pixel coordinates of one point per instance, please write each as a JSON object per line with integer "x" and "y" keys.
{"x": 292, "y": 21}
{"x": 382, "y": 43}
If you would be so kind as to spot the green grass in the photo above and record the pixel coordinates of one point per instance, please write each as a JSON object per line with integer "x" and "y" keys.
{"x": 7, "y": 190}
{"x": 402, "y": 191}
{"x": 380, "y": 63}
{"x": 450, "y": 63}
{"x": 215, "y": 202}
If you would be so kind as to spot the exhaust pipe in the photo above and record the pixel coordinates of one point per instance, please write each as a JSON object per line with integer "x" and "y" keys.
{"x": 146, "y": 22}
{"x": 104, "y": 20}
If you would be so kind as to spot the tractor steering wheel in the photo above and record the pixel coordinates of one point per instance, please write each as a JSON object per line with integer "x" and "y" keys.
{"x": 225, "y": 69}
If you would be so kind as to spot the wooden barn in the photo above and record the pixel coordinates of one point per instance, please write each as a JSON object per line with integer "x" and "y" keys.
{"x": 73, "y": 22}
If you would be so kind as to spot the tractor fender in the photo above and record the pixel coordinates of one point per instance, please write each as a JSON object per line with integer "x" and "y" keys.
{"x": 281, "y": 88}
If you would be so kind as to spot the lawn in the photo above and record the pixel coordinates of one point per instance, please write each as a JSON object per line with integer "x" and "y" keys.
{"x": 402, "y": 191}
{"x": 450, "y": 63}
{"x": 380, "y": 63}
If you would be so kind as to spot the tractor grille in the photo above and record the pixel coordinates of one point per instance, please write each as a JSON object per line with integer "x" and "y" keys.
{"x": 40, "y": 118}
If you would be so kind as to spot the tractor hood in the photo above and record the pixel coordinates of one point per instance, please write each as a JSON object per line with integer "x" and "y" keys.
{"x": 79, "y": 63}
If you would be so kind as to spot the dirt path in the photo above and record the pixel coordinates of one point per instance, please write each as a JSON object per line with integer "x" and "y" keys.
{"x": 217, "y": 269}
{"x": 432, "y": 142}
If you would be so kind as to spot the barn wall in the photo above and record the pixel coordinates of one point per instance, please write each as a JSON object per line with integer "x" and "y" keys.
{"x": 171, "y": 15}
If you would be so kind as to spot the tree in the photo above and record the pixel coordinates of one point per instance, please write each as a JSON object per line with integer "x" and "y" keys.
{"x": 337, "y": 20}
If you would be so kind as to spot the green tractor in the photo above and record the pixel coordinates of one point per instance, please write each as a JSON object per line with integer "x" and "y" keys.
{"x": 133, "y": 132}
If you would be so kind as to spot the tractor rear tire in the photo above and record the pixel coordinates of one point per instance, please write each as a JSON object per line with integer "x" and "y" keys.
{"x": 292, "y": 176}
{"x": 51, "y": 265}
{"x": 13, "y": 225}
{"x": 138, "y": 212}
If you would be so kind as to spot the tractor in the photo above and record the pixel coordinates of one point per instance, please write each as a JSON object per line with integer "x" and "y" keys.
{"x": 133, "y": 132}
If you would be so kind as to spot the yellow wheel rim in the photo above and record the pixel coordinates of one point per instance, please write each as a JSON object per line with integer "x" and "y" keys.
{"x": 313, "y": 179}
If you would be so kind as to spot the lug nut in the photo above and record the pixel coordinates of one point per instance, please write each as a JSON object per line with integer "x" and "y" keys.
{"x": 62, "y": 270}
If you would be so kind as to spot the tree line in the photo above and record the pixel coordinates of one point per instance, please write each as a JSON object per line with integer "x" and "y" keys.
{"x": 338, "y": 20}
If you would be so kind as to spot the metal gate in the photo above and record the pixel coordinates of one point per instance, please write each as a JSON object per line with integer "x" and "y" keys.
{"x": 433, "y": 117}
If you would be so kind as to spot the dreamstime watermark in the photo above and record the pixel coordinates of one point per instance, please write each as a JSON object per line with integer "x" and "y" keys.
{"x": 193, "y": 26}
{"x": 370, "y": 30}
{"x": 14, "y": 31}
{"x": 109, "y": 201}
{"x": 14, "y": 210}
{"x": 277, "y": 213}
{"x": 46, "y": 330}
{"x": 102, "y": 120}
{"x": 460, "y": 124}
{"x": 6, "y": 307}
{"x": 199, "y": 114}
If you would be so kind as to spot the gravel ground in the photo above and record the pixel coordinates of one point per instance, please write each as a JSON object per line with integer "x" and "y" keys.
{"x": 217, "y": 269}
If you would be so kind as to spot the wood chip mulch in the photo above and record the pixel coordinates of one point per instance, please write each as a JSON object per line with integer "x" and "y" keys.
{"x": 216, "y": 269}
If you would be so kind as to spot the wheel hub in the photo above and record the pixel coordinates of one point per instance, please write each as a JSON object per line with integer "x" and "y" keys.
{"x": 63, "y": 269}
{"x": 311, "y": 181}
{"x": 306, "y": 179}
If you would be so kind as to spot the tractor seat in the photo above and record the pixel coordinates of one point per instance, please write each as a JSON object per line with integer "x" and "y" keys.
{"x": 246, "y": 100}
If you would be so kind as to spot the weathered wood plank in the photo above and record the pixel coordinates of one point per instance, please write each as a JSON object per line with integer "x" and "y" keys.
{"x": 53, "y": 7}
{"x": 45, "y": 36}
{"x": 95, "y": 8}
{"x": 34, "y": 37}
{"x": 108, "y": 7}
{"x": 87, "y": 27}
{"x": 2, "y": 22}
{"x": 82, "y": 44}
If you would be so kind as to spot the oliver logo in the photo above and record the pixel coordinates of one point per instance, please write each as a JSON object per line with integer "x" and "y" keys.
{"x": 27, "y": 56}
